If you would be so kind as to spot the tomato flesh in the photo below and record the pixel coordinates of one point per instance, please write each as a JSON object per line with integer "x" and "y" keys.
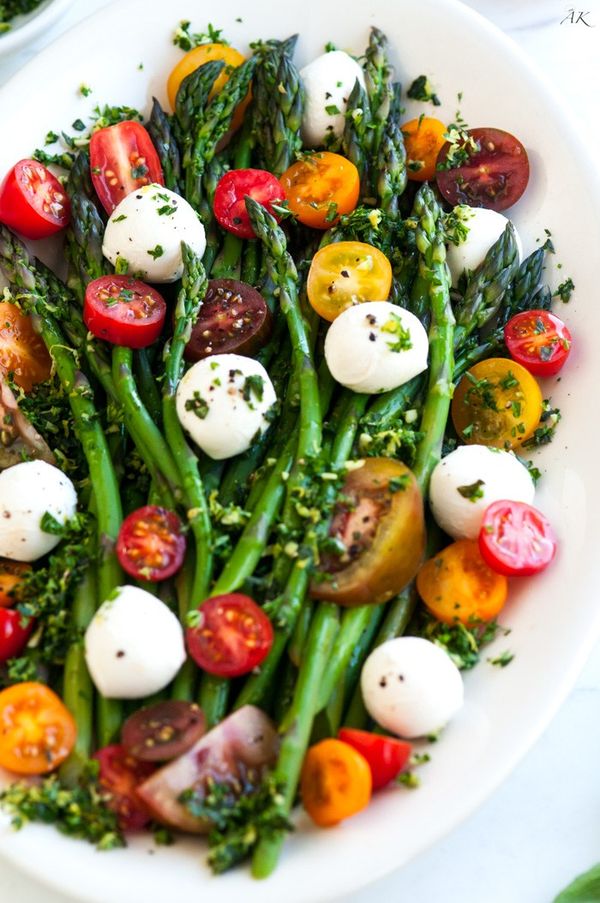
{"x": 163, "y": 731}
{"x": 120, "y": 775}
{"x": 37, "y": 731}
{"x": 230, "y": 198}
{"x": 233, "y": 319}
{"x": 15, "y": 630}
{"x": 320, "y": 188}
{"x": 516, "y": 539}
{"x": 32, "y": 201}
{"x": 233, "y": 635}
{"x": 124, "y": 311}
{"x": 22, "y": 351}
{"x": 122, "y": 159}
{"x": 495, "y": 176}
{"x": 344, "y": 273}
{"x": 151, "y": 544}
{"x": 386, "y": 755}
{"x": 539, "y": 341}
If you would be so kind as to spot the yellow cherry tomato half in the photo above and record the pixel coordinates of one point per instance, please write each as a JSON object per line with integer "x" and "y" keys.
{"x": 320, "y": 187}
{"x": 37, "y": 731}
{"x": 197, "y": 57}
{"x": 498, "y": 403}
{"x": 345, "y": 273}
{"x": 423, "y": 139}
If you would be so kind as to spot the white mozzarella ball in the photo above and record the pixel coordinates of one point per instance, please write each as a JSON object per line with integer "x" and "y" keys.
{"x": 223, "y": 403}
{"x": 134, "y": 645}
{"x": 411, "y": 687}
{"x": 27, "y": 492}
{"x": 485, "y": 228}
{"x": 328, "y": 81}
{"x": 146, "y": 230}
{"x": 375, "y": 346}
{"x": 468, "y": 480}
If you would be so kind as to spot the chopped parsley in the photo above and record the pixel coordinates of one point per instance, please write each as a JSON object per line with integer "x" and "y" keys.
{"x": 421, "y": 89}
{"x": 332, "y": 212}
{"x": 197, "y": 405}
{"x": 473, "y": 491}
{"x": 565, "y": 290}
{"x": 139, "y": 171}
{"x": 122, "y": 266}
{"x": 51, "y": 138}
{"x": 156, "y": 252}
{"x": 332, "y": 110}
{"x": 187, "y": 40}
{"x": 399, "y": 484}
{"x": 85, "y": 90}
{"x": 119, "y": 219}
{"x": 462, "y": 147}
{"x": 544, "y": 433}
{"x": 254, "y": 385}
{"x": 167, "y": 209}
{"x": 330, "y": 47}
{"x": 502, "y": 660}
{"x": 394, "y": 326}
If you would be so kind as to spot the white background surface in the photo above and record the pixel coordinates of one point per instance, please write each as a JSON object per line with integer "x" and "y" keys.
{"x": 543, "y": 825}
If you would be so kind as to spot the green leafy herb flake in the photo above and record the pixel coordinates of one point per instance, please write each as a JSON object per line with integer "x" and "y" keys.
{"x": 156, "y": 252}
{"x": 473, "y": 491}
{"x": 422, "y": 89}
{"x": 565, "y": 290}
{"x": 197, "y": 405}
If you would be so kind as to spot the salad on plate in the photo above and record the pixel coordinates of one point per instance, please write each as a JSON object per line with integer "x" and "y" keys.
{"x": 266, "y": 445}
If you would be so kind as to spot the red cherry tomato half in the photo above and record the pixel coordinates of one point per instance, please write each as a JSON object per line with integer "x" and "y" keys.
{"x": 234, "y": 187}
{"x": 124, "y": 311}
{"x": 15, "y": 630}
{"x": 163, "y": 731}
{"x": 120, "y": 774}
{"x": 386, "y": 756}
{"x": 122, "y": 159}
{"x": 151, "y": 544}
{"x": 32, "y": 201}
{"x": 539, "y": 341}
{"x": 516, "y": 539}
{"x": 494, "y": 177}
{"x": 232, "y": 637}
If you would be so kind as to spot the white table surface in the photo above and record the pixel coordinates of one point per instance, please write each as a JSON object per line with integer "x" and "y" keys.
{"x": 543, "y": 825}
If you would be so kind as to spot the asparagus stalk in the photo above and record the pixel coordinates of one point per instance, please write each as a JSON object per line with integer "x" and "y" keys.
{"x": 392, "y": 177}
{"x": 278, "y": 106}
{"x": 163, "y": 138}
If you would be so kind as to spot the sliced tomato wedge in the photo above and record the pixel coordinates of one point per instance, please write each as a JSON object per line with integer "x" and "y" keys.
{"x": 37, "y": 731}
{"x": 22, "y": 351}
{"x": 124, "y": 311}
{"x": 386, "y": 755}
{"x": 230, "y": 198}
{"x": 233, "y": 635}
{"x": 15, "y": 630}
{"x": 122, "y": 159}
{"x": 120, "y": 775}
{"x": 233, "y": 319}
{"x": 539, "y": 341}
{"x": 495, "y": 176}
{"x": 516, "y": 539}
{"x": 151, "y": 543}
{"x": 163, "y": 731}
{"x": 32, "y": 201}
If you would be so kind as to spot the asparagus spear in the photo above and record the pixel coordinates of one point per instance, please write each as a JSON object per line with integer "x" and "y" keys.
{"x": 378, "y": 80}
{"x": 163, "y": 137}
{"x": 392, "y": 175}
{"x": 356, "y": 139}
{"x": 278, "y": 106}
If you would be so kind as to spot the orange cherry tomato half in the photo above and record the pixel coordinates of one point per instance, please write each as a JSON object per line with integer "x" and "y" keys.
{"x": 197, "y": 57}
{"x": 11, "y": 574}
{"x": 457, "y": 585}
{"x": 22, "y": 351}
{"x": 498, "y": 403}
{"x": 335, "y": 782}
{"x": 423, "y": 139}
{"x": 321, "y": 187}
{"x": 386, "y": 756}
{"x": 344, "y": 273}
{"x": 37, "y": 731}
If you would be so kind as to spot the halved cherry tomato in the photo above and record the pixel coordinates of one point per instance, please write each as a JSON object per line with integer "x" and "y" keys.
{"x": 15, "y": 630}
{"x": 344, "y": 273}
{"x": 163, "y": 731}
{"x": 233, "y": 319}
{"x": 37, "y": 731}
{"x": 120, "y": 775}
{"x": 151, "y": 543}
{"x": 335, "y": 782}
{"x": 457, "y": 585}
{"x": 379, "y": 528}
{"x": 320, "y": 187}
{"x": 11, "y": 574}
{"x": 539, "y": 341}
{"x": 230, "y": 198}
{"x": 122, "y": 158}
{"x": 497, "y": 403}
{"x": 197, "y": 57}
{"x": 32, "y": 201}
{"x": 516, "y": 539}
{"x": 423, "y": 138}
{"x": 232, "y": 637}
{"x": 386, "y": 755}
{"x": 124, "y": 311}
{"x": 494, "y": 177}
{"x": 22, "y": 351}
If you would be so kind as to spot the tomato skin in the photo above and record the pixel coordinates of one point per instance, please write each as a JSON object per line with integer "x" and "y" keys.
{"x": 124, "y": 311}
{"x": 120, "y": 775}
{"x": 151, "y": 543}
{"x": 11, "y": 574}
{"x": 15, "y": 630}
{"x": 234, "y": 635}
{"x": 122, "y": 159}
{"x": 386, "y": 756}
{"x": 340, "y": 276}
{"x": 494, "y": 177}
{"x": 32, "y": 201}
{"x": 320, "y": 188}
{"x": 230, "y": 198}
{"x": 335, "y": 782}
{"x": 22, "y": 351}
{"x": 197, "y": 57}
{"x": 539, "y": 341}
{"x": 233, "y": 319}
{"x": 423, "y": 139}
{"x": 37, "y": 731}
{"x": 516, "y": 539}
{"x": 457, "y": 585}
{"x": 163, "y": 731}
